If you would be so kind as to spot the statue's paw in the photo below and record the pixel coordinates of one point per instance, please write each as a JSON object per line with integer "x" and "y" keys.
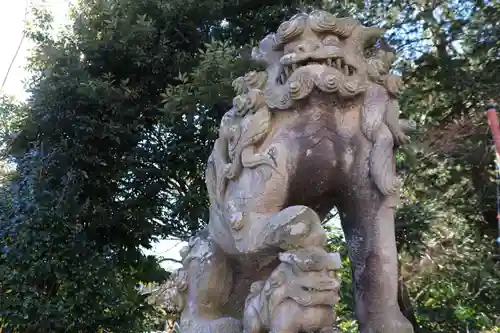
{"x": 295, "y": 219}
{"x": 401, "y": 138}
{"x": 259, "y": 159}
{"x": 407, "y": 126}
{"x": 298, "y": 226}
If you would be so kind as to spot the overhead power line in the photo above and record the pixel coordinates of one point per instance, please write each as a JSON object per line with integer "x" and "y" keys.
{"x": 18, "y": 47}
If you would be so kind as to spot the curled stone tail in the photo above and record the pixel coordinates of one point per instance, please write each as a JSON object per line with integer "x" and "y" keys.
{"x": 372, "y": 113}
{"x": 382, "y": 168}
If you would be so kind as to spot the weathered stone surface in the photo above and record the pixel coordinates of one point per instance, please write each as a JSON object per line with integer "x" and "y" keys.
{"x": 316, "y": 130}
{"x": 297, "y": 297}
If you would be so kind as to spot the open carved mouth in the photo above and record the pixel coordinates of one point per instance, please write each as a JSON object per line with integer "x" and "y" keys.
{"x": 315, "y": 290}
{"x": 334, "y": 62}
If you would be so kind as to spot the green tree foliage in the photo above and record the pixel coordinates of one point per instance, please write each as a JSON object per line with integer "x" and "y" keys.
{"x": 123, "y": 112}
{"x": 11, "y": 118}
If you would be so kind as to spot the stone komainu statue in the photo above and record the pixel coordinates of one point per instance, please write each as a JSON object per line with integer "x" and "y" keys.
{"x": 316, "y": 130}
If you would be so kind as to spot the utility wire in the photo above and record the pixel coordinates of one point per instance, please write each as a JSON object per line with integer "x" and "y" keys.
{"x": 18, "y": 47}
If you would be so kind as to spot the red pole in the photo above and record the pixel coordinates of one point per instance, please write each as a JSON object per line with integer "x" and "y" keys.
{"x": 495, "y": 131}
{"x": 494, "y": 127}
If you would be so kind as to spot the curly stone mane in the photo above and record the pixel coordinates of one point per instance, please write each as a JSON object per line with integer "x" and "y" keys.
{"x": 345, "y": 62}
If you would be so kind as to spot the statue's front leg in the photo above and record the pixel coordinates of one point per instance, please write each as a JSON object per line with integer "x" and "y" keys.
{"x": 255, "y": 212}
{"x": 291, "y": 228}
{"x": 208, "y": 280}
{"x": 368, "y": 223}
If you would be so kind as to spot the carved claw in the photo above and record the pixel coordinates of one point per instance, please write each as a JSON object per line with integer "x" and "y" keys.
{"x": 400, "y": 135}
{"x": 259, "y": 159}
{"x": 407, "y": 126}
{"x": 400, "y": 138}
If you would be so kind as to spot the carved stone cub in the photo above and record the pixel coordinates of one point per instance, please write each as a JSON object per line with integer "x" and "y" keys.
{"x": 299, "y": 296}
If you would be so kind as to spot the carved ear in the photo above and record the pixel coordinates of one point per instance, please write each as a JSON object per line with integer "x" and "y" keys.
{"x": 265, "y": 47}
{"x": 265, "y": 52}
{"x": 368, "y": 35}
{"x": 362, "y": 37}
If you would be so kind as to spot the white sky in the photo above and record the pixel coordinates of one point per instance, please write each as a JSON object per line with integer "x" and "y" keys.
{"x": 11, "y": 29}
{"x": 12, "y": 13}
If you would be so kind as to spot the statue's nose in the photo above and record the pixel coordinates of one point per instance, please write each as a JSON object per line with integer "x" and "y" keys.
{"x": 308, "y": 46}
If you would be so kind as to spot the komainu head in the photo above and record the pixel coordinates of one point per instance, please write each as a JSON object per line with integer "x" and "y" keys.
{"x": 319, "y": 51}
{"x": 306, "y": 276}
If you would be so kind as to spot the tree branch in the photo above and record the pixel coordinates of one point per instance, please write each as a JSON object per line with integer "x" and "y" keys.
{"x": 170, "y": 259}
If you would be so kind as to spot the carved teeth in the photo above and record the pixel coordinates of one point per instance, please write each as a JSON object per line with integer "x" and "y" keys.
{"x": 312, "y": 289}
{"x": 337, "y": 63}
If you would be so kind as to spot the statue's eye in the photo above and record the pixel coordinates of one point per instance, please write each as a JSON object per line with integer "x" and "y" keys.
{"x": 331, "y": 40}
